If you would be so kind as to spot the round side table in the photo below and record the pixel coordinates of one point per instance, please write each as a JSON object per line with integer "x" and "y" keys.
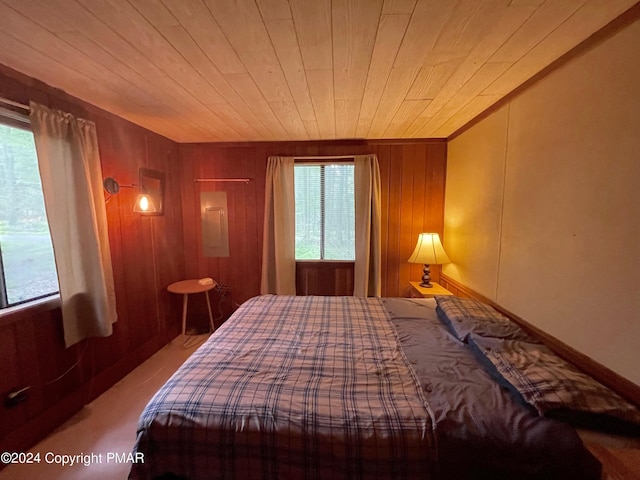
{"x": 186, "y": 287}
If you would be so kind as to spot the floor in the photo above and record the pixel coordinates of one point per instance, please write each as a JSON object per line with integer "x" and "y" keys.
{"x": 620, "y": 456}
{"x": 104, "y": 430}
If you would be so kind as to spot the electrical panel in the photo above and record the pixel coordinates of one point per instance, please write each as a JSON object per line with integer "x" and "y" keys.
{"x": 215, "y": 225}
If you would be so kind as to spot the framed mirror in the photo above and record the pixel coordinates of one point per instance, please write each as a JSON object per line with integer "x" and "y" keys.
{"x": 152, "y": 183}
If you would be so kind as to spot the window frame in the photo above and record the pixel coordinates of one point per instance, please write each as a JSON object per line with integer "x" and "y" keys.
{"x": 320, "y": 162}
{"x": 29, "y": 309}
{"x": 19, "y": 120}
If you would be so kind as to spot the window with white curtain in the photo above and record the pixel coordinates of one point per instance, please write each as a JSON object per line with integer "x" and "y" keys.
{"x": 324, "y": 211}
{"x": 27, "y": 266}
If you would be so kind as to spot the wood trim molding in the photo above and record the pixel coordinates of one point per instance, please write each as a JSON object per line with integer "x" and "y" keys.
{"x": 604, "y": 375}
{"x": 29, "y": 309}
{"x": 324, "y": 143}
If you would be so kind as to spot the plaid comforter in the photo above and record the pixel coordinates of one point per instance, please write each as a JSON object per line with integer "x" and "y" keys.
{"x": 292, "y": 387}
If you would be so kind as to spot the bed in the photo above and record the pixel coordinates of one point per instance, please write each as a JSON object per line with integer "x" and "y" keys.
{"x": 346, "y": 387}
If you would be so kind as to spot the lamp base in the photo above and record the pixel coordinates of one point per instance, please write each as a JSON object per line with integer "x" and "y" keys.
{"x": 426, "y": 277}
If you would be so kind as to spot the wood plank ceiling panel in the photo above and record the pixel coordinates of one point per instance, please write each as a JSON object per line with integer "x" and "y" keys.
{"x": 98, "y": 41}
{"x": 391, "y": 31}
{"x": 469, "y": 26}
{"x": 313, "y": 27}
{"x": 285, "y": 42}
{"x": 139, "y": 32}
{"x": 586, "y": 20}
{"x": 427, "y": 21}
{"x": 265, "y": 83}
{"x": 398, "y": 7}
{"x": 208, "y": 51}
{"x": 354, "y": 32}
{"x": 252, "y": 70}
{"x": 219, "y": 93}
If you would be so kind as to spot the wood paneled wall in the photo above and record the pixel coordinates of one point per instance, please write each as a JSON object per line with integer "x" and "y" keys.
{"x": 150, "y": 252}
{"x": 324, "y": 278}
{"x": 412, "y": 175}
{"x": 147, "y": 254}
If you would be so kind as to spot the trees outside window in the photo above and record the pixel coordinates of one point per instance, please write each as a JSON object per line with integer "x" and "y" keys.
{"x": 27, "y": 266}
{"x": 325, "y": 211}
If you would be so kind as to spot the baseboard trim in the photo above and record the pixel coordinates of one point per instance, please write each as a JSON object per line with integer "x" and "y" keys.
{"x": 604, "y": 375}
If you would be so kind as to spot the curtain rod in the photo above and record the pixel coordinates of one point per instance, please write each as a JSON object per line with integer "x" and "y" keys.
{"x": 15, "y": 104}
{"x": 324, "y": 157}
{"x": 243, "y": 180}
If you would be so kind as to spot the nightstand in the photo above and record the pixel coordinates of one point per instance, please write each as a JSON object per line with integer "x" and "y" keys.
{"x": 420, "y": 292}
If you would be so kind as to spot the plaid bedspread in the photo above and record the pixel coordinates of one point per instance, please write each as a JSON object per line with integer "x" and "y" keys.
{"x": 292, "y": 387}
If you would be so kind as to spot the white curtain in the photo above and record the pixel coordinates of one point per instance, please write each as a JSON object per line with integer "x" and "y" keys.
{"x": 367, "y": 269}
{"x": 279, "y": 242}
{"x": 69, "y": 164}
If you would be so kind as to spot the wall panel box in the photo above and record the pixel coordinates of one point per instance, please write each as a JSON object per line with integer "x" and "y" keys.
{"x": 215, "y": 227}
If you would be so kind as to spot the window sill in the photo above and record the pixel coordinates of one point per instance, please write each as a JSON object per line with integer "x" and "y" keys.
{"x": 28, "y": 309}
{"x": 326, "y": 261}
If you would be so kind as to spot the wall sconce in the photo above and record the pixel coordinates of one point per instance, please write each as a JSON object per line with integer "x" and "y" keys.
{"x": 144, "y": 203}
{"x": 428, "y": 251}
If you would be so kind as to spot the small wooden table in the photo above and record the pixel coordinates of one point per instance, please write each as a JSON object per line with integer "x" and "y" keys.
{"x": 420, "y": 292}
{"x": 185, "y": 287}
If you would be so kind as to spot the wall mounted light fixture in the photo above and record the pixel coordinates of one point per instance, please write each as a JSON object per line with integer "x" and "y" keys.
{"x": 144, "y": 202}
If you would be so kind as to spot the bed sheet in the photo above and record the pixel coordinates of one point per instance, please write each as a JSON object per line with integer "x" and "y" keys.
{"x": 482, "y": 431}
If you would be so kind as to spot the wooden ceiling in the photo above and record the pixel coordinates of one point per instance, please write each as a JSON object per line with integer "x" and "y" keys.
{"x": 253, "y": 70}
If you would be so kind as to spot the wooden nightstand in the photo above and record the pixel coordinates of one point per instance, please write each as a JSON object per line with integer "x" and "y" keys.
{"x": 420, "y": 292}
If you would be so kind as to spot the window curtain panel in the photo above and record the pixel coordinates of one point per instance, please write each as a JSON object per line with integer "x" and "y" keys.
{"x": 69, "y": 164}
{"x": 278, "y": 246}
{"x": 367, "y": 268}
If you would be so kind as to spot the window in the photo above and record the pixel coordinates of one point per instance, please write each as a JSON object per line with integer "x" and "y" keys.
{"x": 27, "y": 266}
{"x": 325, "y": 211}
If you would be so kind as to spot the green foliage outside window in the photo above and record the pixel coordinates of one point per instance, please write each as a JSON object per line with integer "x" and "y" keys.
{"x": 28, "y": 268}
{"x": 325, "y": 212}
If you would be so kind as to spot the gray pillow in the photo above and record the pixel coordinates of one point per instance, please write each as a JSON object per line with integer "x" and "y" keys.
{"x": 548, "y": 382}
{"x": 464, "y": 316}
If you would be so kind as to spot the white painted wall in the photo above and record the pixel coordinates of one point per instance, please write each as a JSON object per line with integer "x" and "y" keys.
{"x": 542, "y": 207}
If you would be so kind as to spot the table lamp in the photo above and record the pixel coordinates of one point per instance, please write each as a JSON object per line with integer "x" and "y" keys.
{"x": 428, "y": 251}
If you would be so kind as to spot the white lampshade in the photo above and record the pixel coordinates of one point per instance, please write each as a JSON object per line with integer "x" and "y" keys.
{"x": 429, "y": 250}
